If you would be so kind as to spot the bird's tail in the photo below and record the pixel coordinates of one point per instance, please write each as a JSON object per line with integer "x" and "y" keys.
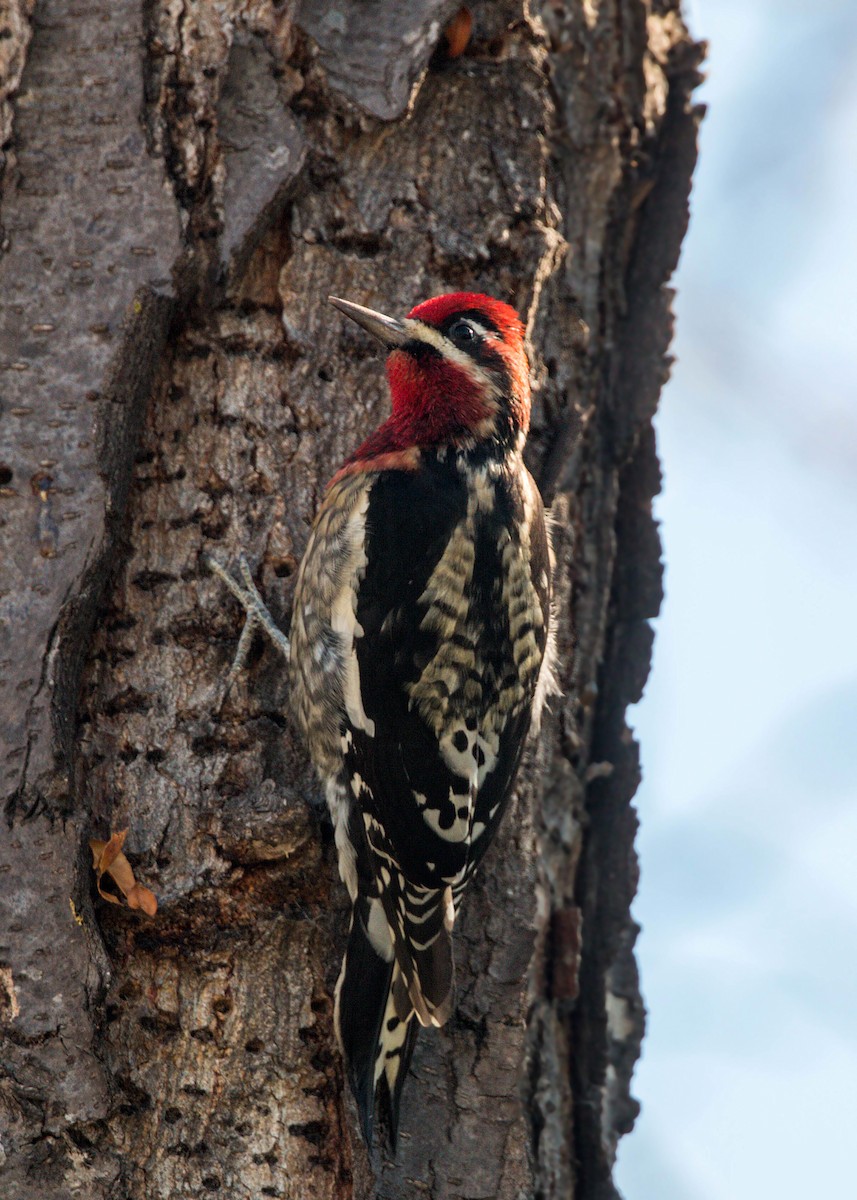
{"x": 395, "y": 1047}
{"x": 374, "y": 1017}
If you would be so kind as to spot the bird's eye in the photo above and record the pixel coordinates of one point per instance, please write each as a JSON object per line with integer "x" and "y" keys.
{"x": 462, "y": 332}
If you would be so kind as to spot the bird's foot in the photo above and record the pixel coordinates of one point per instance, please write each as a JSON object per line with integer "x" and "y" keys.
{"x": 258, "y": 617}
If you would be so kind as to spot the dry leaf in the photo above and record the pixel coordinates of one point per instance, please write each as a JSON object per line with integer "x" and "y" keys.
{"x": 108, "y": 859}
{"x": 458, "y": 31}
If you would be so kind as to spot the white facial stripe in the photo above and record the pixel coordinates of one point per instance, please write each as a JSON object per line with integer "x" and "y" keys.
{"x": 486, "y": 329}
{"x": 433, "y": 337}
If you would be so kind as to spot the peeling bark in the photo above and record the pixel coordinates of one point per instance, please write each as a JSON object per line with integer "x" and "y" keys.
{"x": 184, "y": 184}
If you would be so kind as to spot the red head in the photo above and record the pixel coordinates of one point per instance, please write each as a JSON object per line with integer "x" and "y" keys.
{"x": 458, "y": 375}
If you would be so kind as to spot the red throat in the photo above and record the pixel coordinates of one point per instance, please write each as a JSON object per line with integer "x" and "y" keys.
{"x": 434, "y": 399}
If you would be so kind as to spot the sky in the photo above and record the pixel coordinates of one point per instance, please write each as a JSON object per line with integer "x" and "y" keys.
{"x": 748, "y": 839}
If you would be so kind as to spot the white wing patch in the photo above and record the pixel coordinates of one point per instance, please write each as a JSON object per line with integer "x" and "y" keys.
{"x": 470, "y": 753}
{"x": 343, "y": 615}
{"x": 459, "y": 830}
{"x": 340, "y": 808}
{"x": 378, "y": 930}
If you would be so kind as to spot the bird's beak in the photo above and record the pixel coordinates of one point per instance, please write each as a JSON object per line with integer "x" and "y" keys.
{"x": 391, "y": 332}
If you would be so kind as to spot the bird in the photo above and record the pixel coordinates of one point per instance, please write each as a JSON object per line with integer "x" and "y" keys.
{"x": 421, "y": 656}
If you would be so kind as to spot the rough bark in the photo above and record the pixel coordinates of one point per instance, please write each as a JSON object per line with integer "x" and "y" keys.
{"x": 185, "y": 182}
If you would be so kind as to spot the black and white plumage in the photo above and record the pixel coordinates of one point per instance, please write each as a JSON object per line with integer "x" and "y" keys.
{"x": 420, "y": 661}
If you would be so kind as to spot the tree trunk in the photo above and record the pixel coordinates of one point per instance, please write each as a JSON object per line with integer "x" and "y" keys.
{"x": 185, "y": 183}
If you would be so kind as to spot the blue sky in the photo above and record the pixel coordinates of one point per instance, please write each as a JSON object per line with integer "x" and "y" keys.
{"x": 748, "y": 841}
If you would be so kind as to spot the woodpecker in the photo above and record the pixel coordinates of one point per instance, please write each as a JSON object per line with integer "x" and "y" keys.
{"x": 420, "y": 659}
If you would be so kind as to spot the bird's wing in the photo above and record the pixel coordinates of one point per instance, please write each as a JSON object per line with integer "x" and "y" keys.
{"x": 452, "y": 613}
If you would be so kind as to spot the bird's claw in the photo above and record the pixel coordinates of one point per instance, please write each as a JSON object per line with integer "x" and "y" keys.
{"x": 258, "y": 617}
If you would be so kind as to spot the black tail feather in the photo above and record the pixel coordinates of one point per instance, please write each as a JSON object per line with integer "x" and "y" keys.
{"x": 362, "y": 998}
{"x": 391, "y": 1098}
